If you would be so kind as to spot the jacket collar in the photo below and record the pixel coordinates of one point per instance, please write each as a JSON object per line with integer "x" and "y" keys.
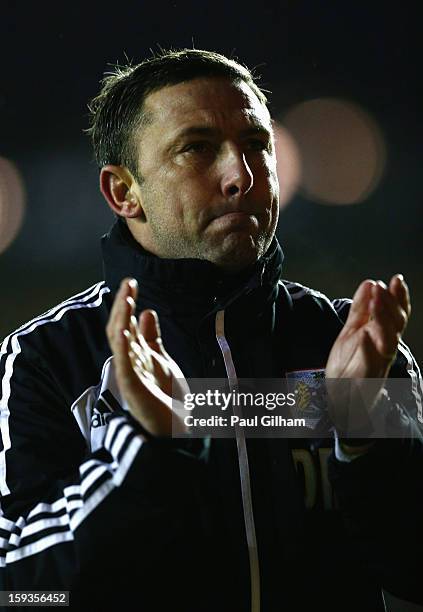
{"x": 186, "y": 284}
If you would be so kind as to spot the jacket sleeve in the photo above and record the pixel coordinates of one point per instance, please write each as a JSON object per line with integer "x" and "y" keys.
{"x": 380, "y": 493}
{"x": 70, "y": 518}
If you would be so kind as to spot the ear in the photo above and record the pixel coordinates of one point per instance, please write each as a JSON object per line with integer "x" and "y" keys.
{"x": 121, "y": 191}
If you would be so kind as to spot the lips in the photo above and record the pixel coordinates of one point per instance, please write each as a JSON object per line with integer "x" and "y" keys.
{"x": 234, "y": 215}
{"x": 236, "y": 220}
{"x": 225, "y": 209}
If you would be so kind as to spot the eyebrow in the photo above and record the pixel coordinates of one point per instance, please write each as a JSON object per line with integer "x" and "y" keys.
{"x": 199, "y": 130}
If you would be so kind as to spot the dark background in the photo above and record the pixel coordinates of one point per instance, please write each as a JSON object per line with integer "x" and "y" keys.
{"x": 53, "y": 57}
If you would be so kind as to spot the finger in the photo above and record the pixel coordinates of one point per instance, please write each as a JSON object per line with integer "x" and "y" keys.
{"x": 133, "y": 326}
{"x": 385, "y": 325}
{"x": 150, "y": 328}
{"x": 138, "y": 336}
{"x": 152, "y": 360}
{"x": 160, "y": 353}
{"x": 387, "y": 308}
{"x": 164, "y": 367}
{"x": 360, "y": 307}
{"x": 385, "y": 340}
{"x": 130, "y": 369}
{"x": 121, "y": 294}
{"x": 138, "y": 356}
{"x": 125, "y": 375}
{"x": 128, "y": 288}
{"x": 149, "y": 325}
{"x": 140, "y": 399}
{"x": 120, "y": 313}
{"x": 140, "y": 347}
{"x": 399, "y": 289}
{"x": 139, "y": 344}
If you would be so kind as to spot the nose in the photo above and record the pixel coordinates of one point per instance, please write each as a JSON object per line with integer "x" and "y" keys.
{"x": 237, "y": 178}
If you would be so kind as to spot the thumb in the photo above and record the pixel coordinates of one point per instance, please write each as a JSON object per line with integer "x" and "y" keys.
{"x": 149, "y": 327}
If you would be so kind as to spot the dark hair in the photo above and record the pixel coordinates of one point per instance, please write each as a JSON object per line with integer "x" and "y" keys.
{"x": 117, "y": 111}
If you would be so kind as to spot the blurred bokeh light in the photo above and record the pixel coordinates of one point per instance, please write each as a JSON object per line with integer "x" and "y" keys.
{"x": 12, "y": 202}
{"x": 288, "y": 164}
{"x": 341, "y": 148}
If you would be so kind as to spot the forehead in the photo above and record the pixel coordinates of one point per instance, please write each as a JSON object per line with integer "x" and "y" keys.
{"x": 208, "y": 100}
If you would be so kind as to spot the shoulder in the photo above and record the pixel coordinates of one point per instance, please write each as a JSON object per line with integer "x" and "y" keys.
{"x": 306, "y": 296}
{"x": 76, "y": 311}
{"x": 298, "y": 291}
{"x": 58, "y": 354}
{"x": 309, "y": 317}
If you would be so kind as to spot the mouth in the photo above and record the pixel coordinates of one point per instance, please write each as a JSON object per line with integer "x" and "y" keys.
{"x": 235, "y": 215}
{"x": 234, "y": 220}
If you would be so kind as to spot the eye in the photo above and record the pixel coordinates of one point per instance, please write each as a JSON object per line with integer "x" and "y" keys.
{"x": 199, "y": 146}
{"x": 258, "y": 144}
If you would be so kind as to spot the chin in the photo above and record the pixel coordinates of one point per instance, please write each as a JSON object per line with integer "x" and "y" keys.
{"x": 238, "y": 256}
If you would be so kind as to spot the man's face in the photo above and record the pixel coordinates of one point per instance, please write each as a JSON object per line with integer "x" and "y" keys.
{"x": 210, "y": 189}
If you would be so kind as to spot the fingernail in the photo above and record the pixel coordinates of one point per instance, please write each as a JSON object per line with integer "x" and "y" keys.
{"x": 382, "y": 284}
{"x": 400, "y": 277}
{"x": 133, "y": 283}
{"x": 130, "y": 301}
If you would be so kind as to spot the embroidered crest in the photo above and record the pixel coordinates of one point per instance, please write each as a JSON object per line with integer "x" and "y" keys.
{"x": 310, "y": 396}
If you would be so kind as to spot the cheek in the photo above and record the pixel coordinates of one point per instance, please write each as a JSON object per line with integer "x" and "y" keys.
{"x": 185, "y": 183}
{"x": 268, "y": 185}
{"x": 272, "y": 177}
{"x": 181, "y": 203}
{"x": 272, "y": 170}
{"x": 274, "y": 182}
{"x": 195, "y": 189}
{"x": 265, "y": 170}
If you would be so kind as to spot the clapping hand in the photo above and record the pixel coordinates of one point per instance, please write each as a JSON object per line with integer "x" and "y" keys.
{"x": 365, "y": 349}
{"x": 148, "y": 378}
{"x": 367, "y": 344}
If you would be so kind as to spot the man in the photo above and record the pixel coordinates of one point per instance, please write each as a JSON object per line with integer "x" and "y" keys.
{"x": 97, "y": 497}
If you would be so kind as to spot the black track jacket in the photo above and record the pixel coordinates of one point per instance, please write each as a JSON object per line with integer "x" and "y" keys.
{"x": 88, "y": 504}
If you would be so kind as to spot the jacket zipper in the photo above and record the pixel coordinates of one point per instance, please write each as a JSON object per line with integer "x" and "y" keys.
{"x": 243, "y": 467}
